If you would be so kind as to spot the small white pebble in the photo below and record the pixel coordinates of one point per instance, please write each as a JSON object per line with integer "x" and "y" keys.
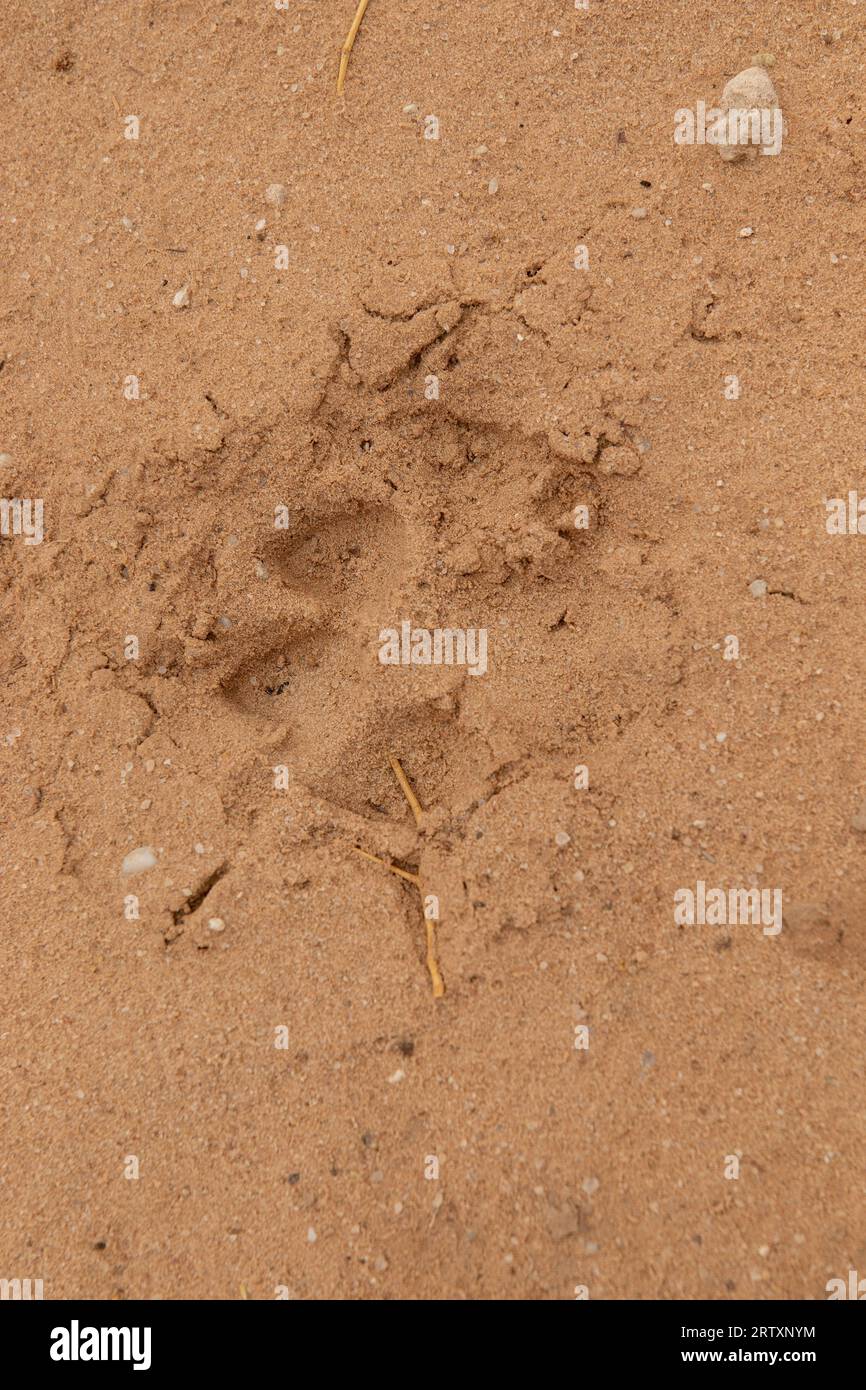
{"x": 638, "y": 214}
{"x": 216, "y": 924}
{"x": 181, "y": 299}
{"x": 138, "y": 860}
{"x": 275, "y": 193}
{"x": 758, "y": 588}
{"x": 311, "y": 1236}
{"x": 493, "y": 186}
{"x": 562, "y": 838}
{"x": 397, "y": 1076}
{"x": 746, "y": 231}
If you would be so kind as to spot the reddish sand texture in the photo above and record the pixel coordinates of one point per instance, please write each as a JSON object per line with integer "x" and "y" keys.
{"x": 287, "y": 369}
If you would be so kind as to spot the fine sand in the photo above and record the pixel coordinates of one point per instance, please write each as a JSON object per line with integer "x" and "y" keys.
{"x": 478, "y": 347}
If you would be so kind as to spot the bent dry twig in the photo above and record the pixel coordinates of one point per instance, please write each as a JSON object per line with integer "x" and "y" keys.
{"x": 429, "y": 923}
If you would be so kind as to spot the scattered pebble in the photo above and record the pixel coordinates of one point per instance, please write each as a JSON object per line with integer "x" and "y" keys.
{"x": 138, "y": 860}
{"x": 493, "y": 186}
{"x": 216, "y": 924}
{"x": 758, "y": 588}
{"x": 275, "y": 193}
{"x": 746, "y": 231}
{"x": 181, "y": 299}
{"x": 751, "y": 89}
{"x": 562, "y": 838}
{"x": 638, "y": 214}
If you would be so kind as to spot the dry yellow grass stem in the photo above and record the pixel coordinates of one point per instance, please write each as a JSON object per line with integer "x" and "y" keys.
{"x": 432, "y": 963}
{"x": 349, "y": 44}
{"x": 414, "y": 803}
{"x": 392, "y": 868}
{"x": 429, "y": 924}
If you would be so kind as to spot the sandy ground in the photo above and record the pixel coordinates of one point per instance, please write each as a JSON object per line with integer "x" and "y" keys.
{"x": 605, "y": 1099}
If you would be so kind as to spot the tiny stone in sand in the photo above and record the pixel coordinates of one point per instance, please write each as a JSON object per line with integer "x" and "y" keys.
{"x": 138, "y": 860}
{"x": 751, "y": 90}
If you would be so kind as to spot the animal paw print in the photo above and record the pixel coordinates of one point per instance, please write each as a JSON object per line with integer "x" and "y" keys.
{"x": 304, "y": 675}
